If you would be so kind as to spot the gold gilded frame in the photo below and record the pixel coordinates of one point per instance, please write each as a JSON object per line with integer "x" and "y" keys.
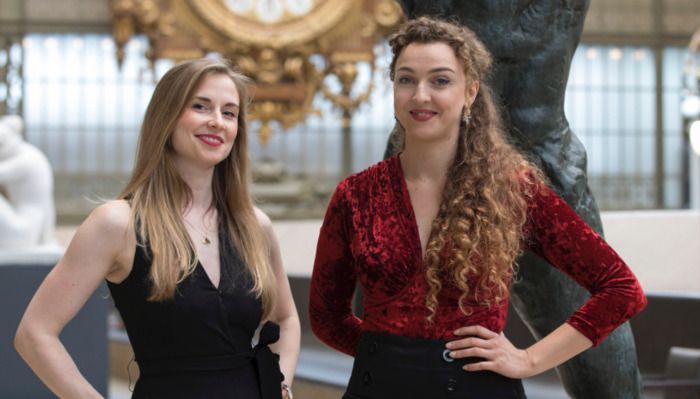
{"x": 276, "y": 56}
{"x": 294, "y": 32}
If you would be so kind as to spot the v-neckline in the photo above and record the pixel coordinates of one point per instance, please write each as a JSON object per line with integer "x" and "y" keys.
{"x": 221, "y": 263}
{"x": 207, "y": 276}
{"x": 406, "y": 196}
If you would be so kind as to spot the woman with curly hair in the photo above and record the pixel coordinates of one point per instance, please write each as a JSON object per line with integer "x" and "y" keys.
{"x": 193, "y": 266}
{"x": 432, "y": 235}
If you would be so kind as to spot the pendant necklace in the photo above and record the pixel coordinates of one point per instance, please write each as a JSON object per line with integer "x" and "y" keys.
{"x": 205, "y": 240}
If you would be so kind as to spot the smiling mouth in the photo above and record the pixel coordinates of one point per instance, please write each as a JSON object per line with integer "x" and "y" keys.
{"x": 211, "y": 140}
{"x": 422, "y": 115}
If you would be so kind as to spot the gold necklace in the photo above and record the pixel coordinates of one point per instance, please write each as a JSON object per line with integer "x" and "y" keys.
{"x": 206, "y": 240}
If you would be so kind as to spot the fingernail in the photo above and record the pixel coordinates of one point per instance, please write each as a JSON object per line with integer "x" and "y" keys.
{"x": 448, "y": 345}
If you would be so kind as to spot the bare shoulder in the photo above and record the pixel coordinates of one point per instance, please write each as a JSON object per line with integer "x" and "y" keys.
{"x": 110, "y": 218}
{"x": 266, "y": 226}
{"x": 263, "y": 219}
{"x": 109, "y": 224}
{"x": 272, "y": 243}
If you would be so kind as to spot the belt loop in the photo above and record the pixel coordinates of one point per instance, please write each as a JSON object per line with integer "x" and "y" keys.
{"x": 446, "y": 356}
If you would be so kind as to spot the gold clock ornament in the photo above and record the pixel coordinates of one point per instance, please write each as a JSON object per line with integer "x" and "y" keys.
{"x": 271, "y": 41}
{"x": 273, "y": 23}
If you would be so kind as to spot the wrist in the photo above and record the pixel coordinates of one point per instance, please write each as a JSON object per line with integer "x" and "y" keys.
{"x": 287, "y": 391}
{"x": 531, "y": 363}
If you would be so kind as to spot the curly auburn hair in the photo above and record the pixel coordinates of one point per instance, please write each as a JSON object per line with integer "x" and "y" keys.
{"x": 478, "y": 231}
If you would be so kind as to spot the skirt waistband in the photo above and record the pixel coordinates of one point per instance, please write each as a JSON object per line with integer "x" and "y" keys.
{"x": 392, "y": 366}
{"x": 423, "y": 352}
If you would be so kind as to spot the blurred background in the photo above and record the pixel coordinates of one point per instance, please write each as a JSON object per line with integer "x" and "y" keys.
{"x": 81, "y": 72}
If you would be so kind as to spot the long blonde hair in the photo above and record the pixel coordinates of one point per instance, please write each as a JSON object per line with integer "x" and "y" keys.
{"x": 157, "y": 193}
{"x": 478, "y": 232}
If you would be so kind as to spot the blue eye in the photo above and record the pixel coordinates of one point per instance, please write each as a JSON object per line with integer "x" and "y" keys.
{"x": 230, "y": 114}
{"x": 404, "y": 80}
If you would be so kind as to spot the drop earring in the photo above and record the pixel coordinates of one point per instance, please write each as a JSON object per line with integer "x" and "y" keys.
{"x": 466, "y": 116}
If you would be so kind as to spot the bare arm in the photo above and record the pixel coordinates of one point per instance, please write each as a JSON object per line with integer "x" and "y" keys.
{"x": 96, "y": 252}
{"x": 285, "y": 312}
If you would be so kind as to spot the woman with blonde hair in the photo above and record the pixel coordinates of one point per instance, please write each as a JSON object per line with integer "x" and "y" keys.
{"x": 193, "y": 267}
{"x": 432, "y": 235}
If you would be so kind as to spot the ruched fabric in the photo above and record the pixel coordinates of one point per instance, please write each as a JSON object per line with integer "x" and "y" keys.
{"x": 369, "y": 234}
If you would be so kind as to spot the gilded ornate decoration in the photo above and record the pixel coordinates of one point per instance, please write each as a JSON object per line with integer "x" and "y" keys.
{"x": 346, "y": 72}
{"x": 11, "y": 79}
{"x": 139, "y": 16}
{"x": 272, "y": 41}
{"x": 256, "y": 30}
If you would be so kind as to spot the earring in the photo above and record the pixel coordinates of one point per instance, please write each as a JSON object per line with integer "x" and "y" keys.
{"x": 466, "y": 116}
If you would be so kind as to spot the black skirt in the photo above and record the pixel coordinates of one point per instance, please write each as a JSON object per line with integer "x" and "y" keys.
{"x": 392, "y": 366}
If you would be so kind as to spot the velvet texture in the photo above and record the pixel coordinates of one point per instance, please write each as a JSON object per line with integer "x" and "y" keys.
{"x": 369, "y": 234}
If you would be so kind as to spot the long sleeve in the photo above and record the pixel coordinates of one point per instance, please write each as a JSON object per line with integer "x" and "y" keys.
{"x": 333, "y": 280}
{"x": 556, "y": 233}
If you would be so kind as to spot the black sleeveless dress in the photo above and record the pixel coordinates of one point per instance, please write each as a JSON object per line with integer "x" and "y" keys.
{"x": 198, "y": 345}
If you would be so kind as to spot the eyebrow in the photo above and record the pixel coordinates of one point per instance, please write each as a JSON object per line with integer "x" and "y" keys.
{"x": 439, "y": 69}
{"x": 208, "y": 100}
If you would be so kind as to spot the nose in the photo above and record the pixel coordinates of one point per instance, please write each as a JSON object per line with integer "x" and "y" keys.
{"x": 421, "y": 93}
{"x": 215, "y": 121}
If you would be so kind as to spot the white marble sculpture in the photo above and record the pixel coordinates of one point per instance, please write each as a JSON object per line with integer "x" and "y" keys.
{"x": 27, "y": 214}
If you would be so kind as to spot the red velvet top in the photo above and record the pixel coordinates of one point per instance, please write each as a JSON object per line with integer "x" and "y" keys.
{"x": 370, "y": 233}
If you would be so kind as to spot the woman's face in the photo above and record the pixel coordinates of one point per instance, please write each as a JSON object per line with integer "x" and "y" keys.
{"x": 430, "y": 92}
{"x": 206, "y": 130}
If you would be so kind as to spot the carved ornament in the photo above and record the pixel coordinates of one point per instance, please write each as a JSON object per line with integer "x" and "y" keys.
{"x": 288, "y": 47}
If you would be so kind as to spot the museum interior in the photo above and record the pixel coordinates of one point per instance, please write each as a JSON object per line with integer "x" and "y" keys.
{"x": 76, "y": 77}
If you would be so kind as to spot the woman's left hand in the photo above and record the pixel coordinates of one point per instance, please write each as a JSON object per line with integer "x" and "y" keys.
{"x": 498, "y": 352}
{"x": 286, "y": 391}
